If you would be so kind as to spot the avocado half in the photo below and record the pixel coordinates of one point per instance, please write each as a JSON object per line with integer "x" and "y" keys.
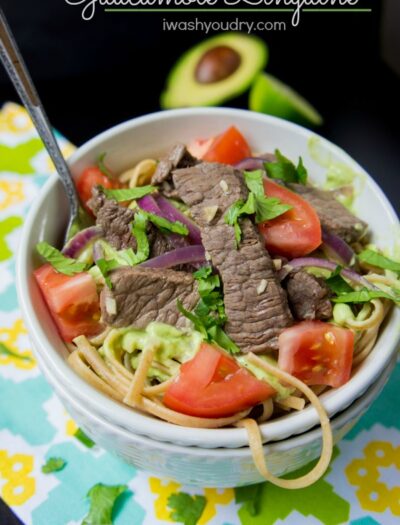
{"x": 218, "y": 69}
{"x": 271, "y": 96}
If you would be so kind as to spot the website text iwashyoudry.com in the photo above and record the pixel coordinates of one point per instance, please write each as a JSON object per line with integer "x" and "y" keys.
{"x": 232, "y": 25}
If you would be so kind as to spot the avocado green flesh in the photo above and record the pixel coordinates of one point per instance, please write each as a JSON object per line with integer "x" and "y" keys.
{"x": 172, "y": 347}
{"x": 269, "y": 95}
{"x": 182, "y": 88}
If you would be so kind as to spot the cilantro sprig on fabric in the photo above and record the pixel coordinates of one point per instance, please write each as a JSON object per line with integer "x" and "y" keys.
{"x": 284, "y": 169}
{"x": 102, "y": 500}
{"x": 209, "y": 315}
{"x": 58, "y": 261}
{"x": 264, "y": 208}
{"x": 128, "y": 194}
{"x": 250, "y": 495}
{"x": 380, "y": 261}
{"x": 102, "y": 167}
{"x": 53, "y": 465}
{"x": 186, "y": 509}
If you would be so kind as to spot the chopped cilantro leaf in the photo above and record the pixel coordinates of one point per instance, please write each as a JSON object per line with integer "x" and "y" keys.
{"x": 337, "y": 284}
{"x": 102, "y": 167}
{"x": 209, "y": 315}
{"x": 58, "y": 261}
{"x": 186, "y": 509}
{"x": 250, "y": 495}
{"x": 265, "y": 208}
{"x": 53, "y": 465}
{"x": 284, "y": 169}
{"x": 380, "y": 261}
{"x": 102, "y": 500}
{"x": 4, "y": 350}
{"x": 128, "y": 194}
{"x": 83, "y": 438}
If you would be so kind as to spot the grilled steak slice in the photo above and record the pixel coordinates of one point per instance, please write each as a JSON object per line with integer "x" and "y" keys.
{"x": 115, "y": 220}
{"x": 334, "y": 217}
{"x": 308, "y": 296}
{"x": 141, "y": 295}
{"x": 255, "y": 303}
{"x": 178, "y": 157}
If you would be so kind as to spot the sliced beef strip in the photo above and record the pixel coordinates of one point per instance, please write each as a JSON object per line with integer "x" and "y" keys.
{"x": 334, "y": 217}
{"x": 115, "y": 220}
{"x": 308, "y": 296}
{"x": 178, "y": 157}
{"x": 255, "y": 303}
{"x": 143, "y": 295}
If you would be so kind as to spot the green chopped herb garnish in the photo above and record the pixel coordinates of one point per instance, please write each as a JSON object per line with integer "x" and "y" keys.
{"x": 102, "y": 167}
{"x": 209, "y": 315}
{"x": 58, "y": 261}
{"x": 128, "y": 194}
{"x": 250, "y": 495}
{"x": 380, "y": 261}
{"x": 337, "y": 284}
{"x": 83, "y": 438}
{"x": 265, "y": 208}
{"x": 167, "y": 226}
{"x": 105, "y": 267}
{"x": 186, "y": 509}
{"x": 53, "y": 465}
{"x": 365, "y": 295}
{"x": 4, "y": 350}
{"x": 284, "y": 169}
{"x": 102, "y": 500}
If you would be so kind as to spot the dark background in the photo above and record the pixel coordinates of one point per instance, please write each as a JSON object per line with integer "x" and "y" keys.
{"x": 92, "y": 75}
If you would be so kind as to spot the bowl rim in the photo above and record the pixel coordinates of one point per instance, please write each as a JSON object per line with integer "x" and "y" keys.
{"x": 294, "y": 423}
{"x": 356, "y": 409}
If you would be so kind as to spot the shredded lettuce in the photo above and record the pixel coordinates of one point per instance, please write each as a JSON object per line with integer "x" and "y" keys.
{"x": 102, "y": 167}
{"x": 58, "y": 261}
{"x": 380, "y": 261}
{"x": 167, "y": 226}
{"x": 337, "y": 284}
{"x": 128, "y": 194}
{"x": 365, "y": 295}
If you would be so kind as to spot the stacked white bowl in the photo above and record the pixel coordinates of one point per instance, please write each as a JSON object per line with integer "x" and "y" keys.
{"x": 203, "y": 457}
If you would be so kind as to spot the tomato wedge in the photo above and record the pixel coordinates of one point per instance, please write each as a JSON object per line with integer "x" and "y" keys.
{"x": 228, "y": 148}
{"x": 73, "y": 301}
{"x": 318, "y": 353}
{"x": 213, "y": 385}
{"x": 89, "y": 178}
{"x": 295, "y": 233}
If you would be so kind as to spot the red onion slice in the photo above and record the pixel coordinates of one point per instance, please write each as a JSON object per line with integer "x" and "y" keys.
{"x": 173, "y": 214}
{"x": 337, "y": 249}
{"x": 98, "y": 252}
{"x": 315, "y": 262}
{"x": 80, "y": 241}
{"x": 251, "y": 163}
{"x": 186, "y": 255}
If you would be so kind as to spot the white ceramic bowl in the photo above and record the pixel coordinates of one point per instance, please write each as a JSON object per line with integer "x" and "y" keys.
{"x": 150, "y": 136}
{"x": 200, "y": 467}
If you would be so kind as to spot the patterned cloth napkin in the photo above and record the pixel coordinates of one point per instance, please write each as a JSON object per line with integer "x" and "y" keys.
{"x": 362, "y": 486}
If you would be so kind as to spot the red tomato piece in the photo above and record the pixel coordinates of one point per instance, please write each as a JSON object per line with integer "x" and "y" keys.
{"x": 89, "y": 178}
{"x": 212, "y": 385}
{"x": 295, "y": 233}
{"x": 228, "y": 148}
{"x": 73, "y": 301}
{"x": 318, "y": 353}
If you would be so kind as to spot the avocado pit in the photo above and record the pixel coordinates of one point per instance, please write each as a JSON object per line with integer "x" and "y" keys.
{"x": 216, "y": 64}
